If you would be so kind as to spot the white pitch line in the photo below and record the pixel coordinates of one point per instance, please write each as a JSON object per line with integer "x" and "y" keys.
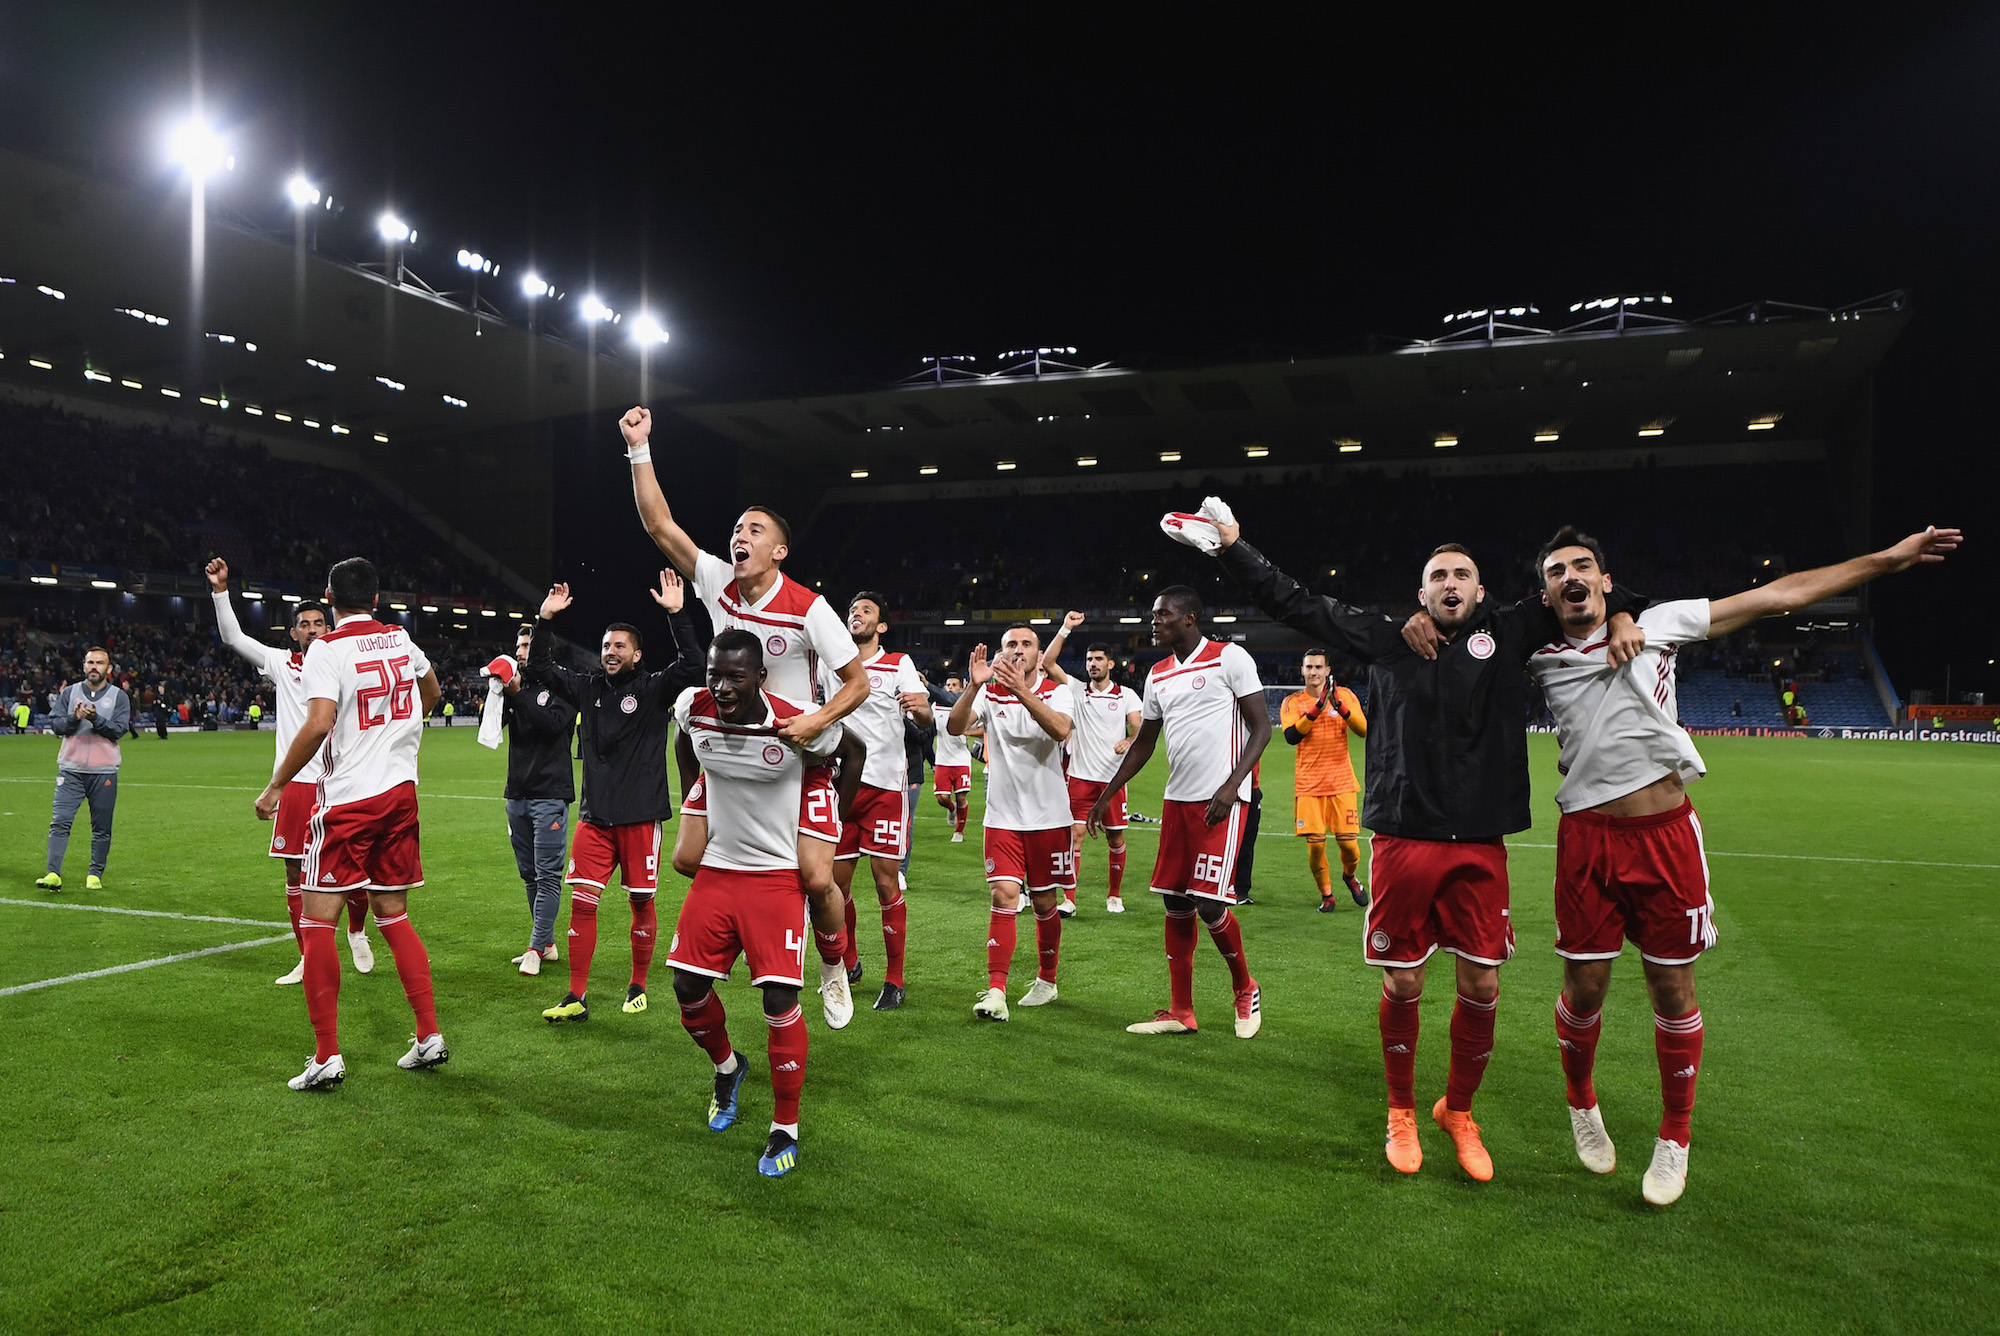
{"x": 142, "y": 965}
{"x": 145, "y": 913}
{"x": 238, "y": 788}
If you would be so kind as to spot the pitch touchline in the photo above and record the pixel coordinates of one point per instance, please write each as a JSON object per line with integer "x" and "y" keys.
{"x": 144, "y": 913}
{"x": 238, "y": 788}
{"x": 140, "y": 964}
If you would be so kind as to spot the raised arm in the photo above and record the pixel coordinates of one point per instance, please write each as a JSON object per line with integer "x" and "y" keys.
{"x": 690, "y": 665}
{"x": 669, "y": 537}
{"x": 1804, "y": 588}
{"x": 978, "y": 672}
{"x": 541, "y": 667}
{"x": 256, "y": 651}
{"x": 1051, "y": 657}
{"x": 1286, "y": 600}
{"x": 1053, "y": 722}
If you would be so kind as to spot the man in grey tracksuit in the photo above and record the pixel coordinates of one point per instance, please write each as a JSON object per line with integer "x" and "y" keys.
{"x": 541, "y": 784}
{"x": 90, "y": 716}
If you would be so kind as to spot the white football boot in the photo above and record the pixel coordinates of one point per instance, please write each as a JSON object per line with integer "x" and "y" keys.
{"x": 1593, "y": 1143}
{"x": 429, "y": 1052}
{"x": 298, "y": 974}
{"x": 530, "y": 961}
{"x": 834, "y": 995}
{"x": 1040, "y": 993}
{"x": 992, "y": 1005}
{"x": 1113, "y": 905}
{"x": 320, "y": 1075}
{"x": 1667, "y": 1176}
{"x": 364, "y": 954}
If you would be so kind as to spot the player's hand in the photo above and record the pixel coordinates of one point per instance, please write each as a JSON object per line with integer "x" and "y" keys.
{"x": 81, "y": 710}
{"x": 267, "y": 802}
{"x": 1933, "y": 544}
{"x": 1120, "y": 747}
{"x": 1340, "y": 707}
{"x": 801, "y": 729}
{"x": 671, "y": 594}
{"x": 912, "y": 701}
{"x": 557, "y": 600}
{"x": 1093, "y": 824}
{"x": 1623, "y": 641}
{"x": 1071, "y": 620}
{"x": 1228, "y": 533}
{"x": 1220, "y": 805}
{"x": 636, "y": 427}
{"x": 1009, "y": 675}
{"x": 1420, "y": 633}
{"x": 978, "y": 672}
{"x": 218, "y": 575}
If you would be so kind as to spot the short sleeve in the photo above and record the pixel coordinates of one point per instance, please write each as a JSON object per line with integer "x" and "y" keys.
{"x": 828, "y": 636}
{"x": 980, "y": 709}
{"x": 420, "y": 662}
{"x": 826, "y": 744}
{"x": 906, "y": 677}
{"x": 1150, "y": 707}
{"x": 711, "y": 576}
{"x": 320, "y": 675}
{"x": 684, "y": 706}
{"x": 1243, "y": 679}
{"x": 1063, "y": 701}
{"x": 1676, "y": 622}
{"x": 1131, "y": 701}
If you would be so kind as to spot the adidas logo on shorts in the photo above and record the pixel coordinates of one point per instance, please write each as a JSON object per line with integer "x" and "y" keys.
{"x": 327, "y": 878}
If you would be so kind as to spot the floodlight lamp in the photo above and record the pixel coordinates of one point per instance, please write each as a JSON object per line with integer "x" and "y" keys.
{"x": 393, "y": 229}
{"x": 645, "y": 329}
{"x": 473, "y": 260}
{"x": 198, "y": 150}
{"x": 532, "y": 286}
{"x": 593, "y": 309}
{"x": 302, "y": 193}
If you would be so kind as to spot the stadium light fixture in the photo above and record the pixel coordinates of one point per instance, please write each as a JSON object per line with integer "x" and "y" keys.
{"x": 302, "y": 193}
{"x": 42, "y": 579}
{"x": 1333, "y": 570}
{"x": 393, "y": 229}
{"x": 103, "y": 584}
{"x": 1547, "y": 435}
{"x": 1766, "y": 422}
{"x": 1130, "y": 621}
{"x": 131, "y": 384}
{"x": 381, "y": 439}
{"x": 488, "y": 612}
{"x": 477, "y": 263}
{"x": 949, "y": 621}
{"x": 89, "y": 374}
{"x": 1444, "y": 442}
{"x": 515, "y": 613}
{"x": 430, "y": 607}
{"x": 1256, "y": 451}
{"x": 170, "y": 393}
{"x": 645, "y": 329}
{"x": 1652, "y": 431}
{"x": 1223, "y": 618}
{"x": 282, "y": 417}
{"x": 253, "y": 410}
{"x": 453, "y": 400}
{"x": 1039, "y": 621}
{"x": 1086, "y": 461}
{"x": 927, "y": 470}
{"x": 318, "y": 365}
{"x": 197, "y": 149}
{"x": 292, "y": 598}
{"x": 593, "y": 309}
{"x": 533, "y": 287}
{"x": 48, "y": 291}
{"x": 40, "y": 365}
{"x": 857, "y": 473}
{"x": 399, "y": 607}
{"x": 387, "y": 383}
{"x": 1347, "y": 445}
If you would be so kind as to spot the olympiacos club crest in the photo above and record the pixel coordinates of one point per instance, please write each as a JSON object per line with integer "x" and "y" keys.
{"x": 629, "y": 704}
{"x": 1480, "y": 646}
{"x": 773, "y": 754}
{"x": 775, "y": 646}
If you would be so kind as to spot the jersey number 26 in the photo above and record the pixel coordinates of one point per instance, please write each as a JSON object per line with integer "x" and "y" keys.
{"x": 392, "y": 682}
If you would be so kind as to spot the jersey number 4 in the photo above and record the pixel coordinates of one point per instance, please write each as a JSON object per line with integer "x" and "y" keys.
{"x": 392, "y": 683}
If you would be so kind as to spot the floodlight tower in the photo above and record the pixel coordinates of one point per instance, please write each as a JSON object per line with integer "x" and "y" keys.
{"x": 478, "y": 264}
{"x": 200, "y": 152}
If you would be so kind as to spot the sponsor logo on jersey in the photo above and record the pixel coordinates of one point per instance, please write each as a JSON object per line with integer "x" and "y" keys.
{"x": 1378, "y": 940}
{"x": 542, "y": 699}
{"x": 775, "y": 645}
{"x": 631, "y": 703}
{"x": 1480, "y": 646}
{"x": 773, "y": 754}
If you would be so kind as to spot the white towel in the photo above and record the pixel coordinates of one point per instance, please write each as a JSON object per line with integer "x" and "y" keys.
{"x": 1198, "y": 529}
{"x": 497, "y": 674}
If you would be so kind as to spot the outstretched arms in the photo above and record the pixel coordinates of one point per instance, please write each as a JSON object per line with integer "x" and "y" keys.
{"x": 1804, "y": 588}
{"x": 637, "y": 428}
{"x": 1287, "y": 601}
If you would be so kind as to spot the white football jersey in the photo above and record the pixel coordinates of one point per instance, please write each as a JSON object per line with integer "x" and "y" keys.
{"x": 1620, "y": 727}
{"x": 751, "y": 781}
{"x": 369, "y": 671}
{"x": 1025, "y": 787}
{"x": 878, "y": 720}
{"x": 800, "y": 630}
{"x": 286, "y": 669}
{"x": 1100, "y": 726}
{"x": 1195, "y": 700}
{"x": 950, "y": 750}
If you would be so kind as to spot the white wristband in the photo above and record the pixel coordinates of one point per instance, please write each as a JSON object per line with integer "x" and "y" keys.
{"x": 640, "y": 454}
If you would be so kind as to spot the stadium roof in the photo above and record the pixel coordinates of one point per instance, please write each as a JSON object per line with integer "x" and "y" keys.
{"x": 312, "y": 345}
{"x": 1766, "y": 379}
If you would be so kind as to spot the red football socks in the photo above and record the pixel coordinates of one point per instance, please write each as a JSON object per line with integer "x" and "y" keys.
{"x": 1399, "y": 1021}
{"x": 1227, "y": 934}
{"x": 832, "y": 946}
{"x": 1000, "y": 936}
{"x": 322, "y": 981}
{"x": 708, "y": 1027}
{"x": 1471, "y": 1047}
{"x": 645, "y": 935}
{"x": 1116, "y": 858}
{"x": 582, "y": 937}
{"x": 295, "y": 905}
{"x": 1677, "y": 1040}
{"x": 1180, "y": 965}
{"x": 788, "y": 1064}
{"x": 895, "y": 929}
{"x": 958, "y": 821}
{"x": 853, "y": 956}
{"x": 1048, "y": 942}
{"x": 413, "y": 967}
{"x": 357, "y": 910}
{"x": 1578, "y": 1035}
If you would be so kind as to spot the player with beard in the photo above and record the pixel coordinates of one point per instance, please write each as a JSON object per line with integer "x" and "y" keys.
{"x": 1206, "y": 697}
{"x": 1630, "y": 864}
{"x": 626, "y": 715}
{"x": 1107, "y": 716}
{"x": 879, "y": 829}
{"x": 1446, "y": 781}
{"x": 286, "y": 671}
{"x": 1027, "y": 841}
{"x": 800, "y": 634}
{"x": 738, "y": 840}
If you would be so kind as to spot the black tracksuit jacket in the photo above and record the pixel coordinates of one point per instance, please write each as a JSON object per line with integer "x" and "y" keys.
{"x": 626, "y": 723}
{"x": 540, "y": 723}
{"x": 1447, "y": 738}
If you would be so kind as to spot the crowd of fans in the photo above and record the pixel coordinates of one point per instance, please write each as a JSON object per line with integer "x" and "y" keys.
{"x": 86, "y": 491}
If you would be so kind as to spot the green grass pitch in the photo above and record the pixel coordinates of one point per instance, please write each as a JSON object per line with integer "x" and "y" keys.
{"x": 1050, "y": 1175}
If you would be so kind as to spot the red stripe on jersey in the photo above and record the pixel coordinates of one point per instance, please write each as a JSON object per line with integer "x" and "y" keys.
{"x": 368, "y": 626}
{"x": 703, "y": 711}
{"x": 1210, "y": 651}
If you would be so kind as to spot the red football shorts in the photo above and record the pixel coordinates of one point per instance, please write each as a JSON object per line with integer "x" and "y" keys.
{"x": 633, "y": 851}
{"x": 951, "y": 779}
{"x": 1083, "y": 793}
{"x": 1040, "y": 860}
{"x": 1642, "y": 879}
{"x": 759, "y": 915}
{"x": 1432, "y": 894}
{"x": 1196, "y": 858}
{"x": 288, "y": 827}
{"x": 371, "y": 843}
{"x": 819, "y": 805}
{"x": 875, "y": 827}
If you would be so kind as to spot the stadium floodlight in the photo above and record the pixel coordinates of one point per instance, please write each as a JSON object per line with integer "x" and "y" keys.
{"x": 1086, "y": 461}
{"x": 302, "y": 193}
{"x": 1004, "y": 466}
{"x": 533, "y": 286}
{"x": 1223, "y": 618}
{"x": 1546, "y": 435}
{"x": 927, "y": 470}
{"x": 393, "y": 229}
{"x": 1130, "y": 621}
{"x": 103, "y": 584}
{"x": 1170, "y": 456}
{"x": 1348, "y": 445}
{"x": 1256, "y": 451}
{"x": 857, "y": 473}
{"x": 645, "y": 329}
{"x": 949, "y": 621}
{"x": 593, "y": 309}
{"x": 1445, "y": 442}
{"x": 196, "y": 148}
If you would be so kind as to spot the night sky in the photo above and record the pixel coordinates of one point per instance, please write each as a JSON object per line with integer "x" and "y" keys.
{"x": 811, "y": 202}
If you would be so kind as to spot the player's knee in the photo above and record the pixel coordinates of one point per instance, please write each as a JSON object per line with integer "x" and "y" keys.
{"x": 690, "y": 989}
{"x": 639, "y": 899}
{"x": 1481, "y": 983}
{"x": 1114, "y": 840}
{"x": 1211, "y": 911}
{"x": 1403, "y": 985}
{"x": 1672, "y": 988}
{"x": 779, "y": 998}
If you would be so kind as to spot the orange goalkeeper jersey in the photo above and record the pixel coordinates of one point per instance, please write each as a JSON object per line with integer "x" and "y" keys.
{"x": 1322, "y": 765}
